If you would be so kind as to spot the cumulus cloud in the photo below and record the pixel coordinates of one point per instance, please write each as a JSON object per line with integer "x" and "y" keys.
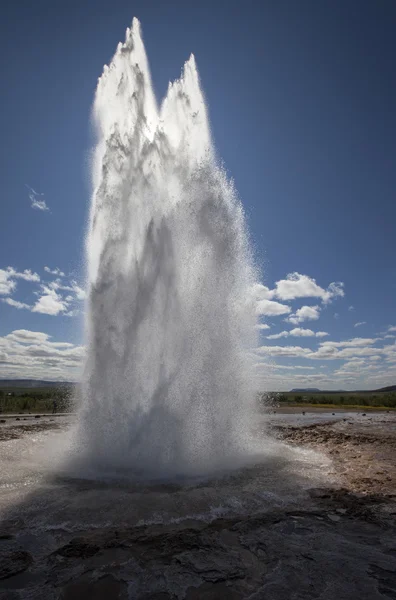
{"x": 356, "y": 366}
{"x": 8, "y": 277}
{"x": 55, "y": 271}
{"x": 294, "y": 351}
{"x": 51, "y": 300}
{"x": 305, "y": 313}
{"x": 300, "y": 332}
{"x": 25, "y": 336}
{"x": 276, "y": 336}
{"x": 364, "y": 365}
{"x": 271, "y": 308}
{"x": 262, "y": 326}
{"x": 323, "y": 352}
{"x": 36, "y": 199}
{"x": 297, "y": 332}
{"x": 7, "y": 284}
{"x": 25, "y": 353}
{"x": 354, "y": 342}
{"x": 294, "y": 286}
{"x": 301, "y": 286}
{"x": 391, "y": 328}
{"x": 50, "y": 303}
{"x": 293, "y": 368}
{"x": 262, "y": 292}
{"x": 73, "y": 286}
{"x": 27, "y": 275}
{"x": 354, "y": 348}
{"x": 360, "y": 323}
{"x": 15, "y": 303}
{"x": 80, "y": 293}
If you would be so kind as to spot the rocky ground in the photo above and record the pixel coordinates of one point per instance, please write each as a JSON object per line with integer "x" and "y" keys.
{"x": 363, "y": 451}
{"x": 339, "y": 544}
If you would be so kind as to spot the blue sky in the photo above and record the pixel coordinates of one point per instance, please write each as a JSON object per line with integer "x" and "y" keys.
{"x": 302, "y": 100}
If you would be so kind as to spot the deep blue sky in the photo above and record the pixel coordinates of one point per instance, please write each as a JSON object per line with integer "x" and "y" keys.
{"x": 302, "y": 99}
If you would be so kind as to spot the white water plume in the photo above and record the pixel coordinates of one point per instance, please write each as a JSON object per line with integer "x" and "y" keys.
{"x": 168, "y": 387}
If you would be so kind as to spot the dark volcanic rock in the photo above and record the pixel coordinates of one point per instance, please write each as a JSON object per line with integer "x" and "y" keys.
{"x": 105, "y": 588}
{"x": 13, "y": 562}
{"x": 77, "y": 548}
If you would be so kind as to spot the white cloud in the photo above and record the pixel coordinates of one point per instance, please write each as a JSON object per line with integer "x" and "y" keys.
{"x": 390, "y": 352}
{"x": 7, "y": 284}
{"x": 305, "y": 313}
{"x": 34, "y": 199}
{"x": 55, "y": 271}
{"x": 391, "y": 328}
{"x": 8, "y": 276}
{"x": 262, "y": 292}
{"x": 72, "y": 313}
{"x": 25, "y": 336}
{"x": 27, "y": 275}
{"x": 276, "y": 336}
{"x": 262, "y": 326}
{"x": 293, "y": 367}
{"x": 50, "y": 300}
{"x": 354, "y": 348}
{"x": 360, "y": 323}
{"x": 50, "y": 303}
{"x": 57, "y": 284}
{"x": 25, "y": 353}
{"x": 80, "y": 293}
{"x": 297, "y": 332}
{"x": 15, "y": 303}
{"x": 336, "y": 316}
{"x": 355, "y": 367}
{"x": 363, "y": 365}
{"x": 300, "y": 332}
{"x": 351, "y": 308}
{"x": 284, "y": 351}
{"x": 353, "y": 343}
{"x": 271, "y": 308}
{"x": 301, "y": 286}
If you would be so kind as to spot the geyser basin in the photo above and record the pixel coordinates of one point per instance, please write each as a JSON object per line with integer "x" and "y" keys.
{"x": 168, "y": 386}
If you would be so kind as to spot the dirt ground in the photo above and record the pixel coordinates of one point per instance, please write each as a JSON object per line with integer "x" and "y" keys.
{"x": 363, "y": 451}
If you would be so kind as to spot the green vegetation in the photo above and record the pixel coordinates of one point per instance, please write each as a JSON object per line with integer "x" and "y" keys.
{"x": 35, "y": 400}
{"x": 333, "y": 400}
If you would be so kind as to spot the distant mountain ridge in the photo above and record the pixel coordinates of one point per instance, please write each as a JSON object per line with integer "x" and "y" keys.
{"x": 305, "y": 390}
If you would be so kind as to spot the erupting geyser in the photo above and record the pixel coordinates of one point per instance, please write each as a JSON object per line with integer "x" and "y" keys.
{"x": 168, "y": 386}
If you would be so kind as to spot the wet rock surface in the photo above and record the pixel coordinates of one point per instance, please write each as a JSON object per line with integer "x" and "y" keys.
{"x": 340, "y": 544}
{"x": 281, "y": 556}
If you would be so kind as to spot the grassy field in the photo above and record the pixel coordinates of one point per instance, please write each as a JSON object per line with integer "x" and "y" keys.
{"x": 367, "y": 400}
{"x": 34, "y": 400}
{"x": 40, "y": 400}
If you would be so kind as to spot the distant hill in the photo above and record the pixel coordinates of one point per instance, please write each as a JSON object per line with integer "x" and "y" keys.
{"x": 33, "y": 383}
{"x": 389, "y": 388}
{"x": 300, "y": 390}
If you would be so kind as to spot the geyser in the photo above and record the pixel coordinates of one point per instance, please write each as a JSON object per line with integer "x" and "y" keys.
{"x": 168, "y": 386}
